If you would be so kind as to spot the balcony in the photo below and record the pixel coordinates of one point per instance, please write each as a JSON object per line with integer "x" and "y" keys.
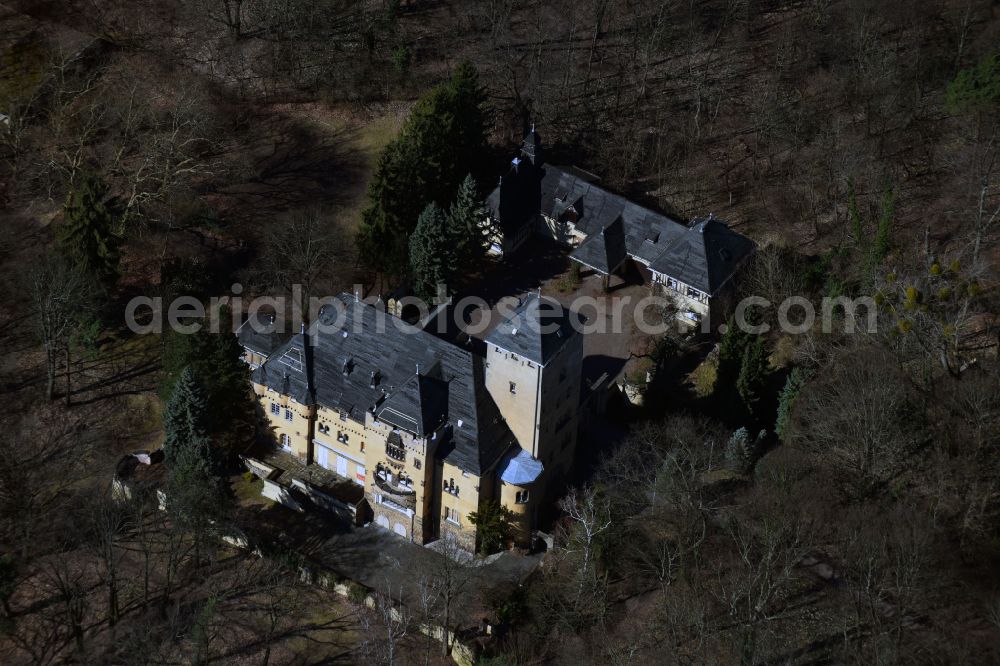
{"x": 399, "y": 492}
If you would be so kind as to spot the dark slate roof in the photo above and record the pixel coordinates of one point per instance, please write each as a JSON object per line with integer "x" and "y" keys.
{"x": 703, "y": 257}
{"x": 706, "y": 255}
{"x": 604, "y": 251}
{"x": 513, "y": 203}
{"x": 287, "y": 370}
{"x": 531, "y": 147}
{"x": 536, "y": 329}
{"x": 365, "y": 359}
{"x": 261, "y": 333}
{"x": 568, "y": 192}
{"x": 420, "y": 405}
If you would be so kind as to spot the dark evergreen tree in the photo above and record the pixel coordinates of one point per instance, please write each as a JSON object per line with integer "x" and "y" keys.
{"x": 443, "y": 139}
{"x": 432, "y": 253}
{"x": 494, "y": 526}
{"x": 742, "y": 452}
{"x": 86, "y": 236}
{"x": 215, "y": 360}
{"x": 731, "y": 348}
{"x": 754, "y": 369}
{"x": 465, "y": 225}
{"x": 796, "y": 380}
{"x": 185, "y": 420}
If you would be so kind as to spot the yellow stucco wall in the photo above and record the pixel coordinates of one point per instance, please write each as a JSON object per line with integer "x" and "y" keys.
{"x": 298, "y": 429}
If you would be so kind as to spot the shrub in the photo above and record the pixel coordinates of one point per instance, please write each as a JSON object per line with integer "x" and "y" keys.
{"x": 356, "y": 592}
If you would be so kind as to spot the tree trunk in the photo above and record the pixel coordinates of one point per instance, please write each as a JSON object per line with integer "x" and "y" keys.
{"x": 50, "y": 367}
{"x": 69, "y": 365}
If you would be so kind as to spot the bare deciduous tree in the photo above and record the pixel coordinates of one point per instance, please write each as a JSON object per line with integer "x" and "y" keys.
{"x": 59, "y": 296}
{"x": 385, "y": 624}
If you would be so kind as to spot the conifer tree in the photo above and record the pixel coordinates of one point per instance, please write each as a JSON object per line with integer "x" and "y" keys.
{"x": 185, "y": 422}
{"x": 215, "y": 360}
{"x": 465, "y": 219}
{"x": 731, "y": 348}
{"x": 193, "y": 493}
{"x": 796, "y": 380}
{"x": 86, "y": 236}
{"x": 753, "y": 373}
{"x": 443, "y": 139}
{"x": 432, "y": 256}
{"x": 742, "y": 452}
{"x": 494, "y": 525}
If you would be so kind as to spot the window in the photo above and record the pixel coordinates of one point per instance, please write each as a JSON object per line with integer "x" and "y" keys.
{"x": 521, "y": 497}
{"x": 289, "y": 414}
{"x": 286, "y": 442}
{"x": 452, "y": 516}
{"x": 513, "y": 388}
{"x": 672, "y": 283}
{"x": 693, "y": 293}
{"x": 342, "y": 437}
{"x": 275, "y": 409}
{"x": 416, "y": 463}
{"x": 324, "y": 428}
{"x": 394, "y": 448}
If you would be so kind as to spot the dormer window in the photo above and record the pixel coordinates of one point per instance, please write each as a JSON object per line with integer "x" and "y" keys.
{"x": 348, "y": 366}
{"x": 376, "y": 377}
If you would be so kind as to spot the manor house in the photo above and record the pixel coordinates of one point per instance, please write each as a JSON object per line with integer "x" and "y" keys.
{"x": 429, "y": 427}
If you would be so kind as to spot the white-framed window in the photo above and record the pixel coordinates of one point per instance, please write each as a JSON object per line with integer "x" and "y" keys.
{"x": 452, "y": 516}
{"x": 342, "y": 437}
{"x": 286, "y": 442}
{"x": 275, "y": 409}
{"x": 521, "y": 496}
{"x": 289, "y": 414}
{"x": 693, "y": 293}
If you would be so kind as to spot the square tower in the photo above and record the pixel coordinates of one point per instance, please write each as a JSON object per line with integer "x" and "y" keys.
{"x": 533, "y": 364}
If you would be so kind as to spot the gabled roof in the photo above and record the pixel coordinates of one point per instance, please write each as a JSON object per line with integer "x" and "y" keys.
{"x": 565, "y": 188}
{"x": 603, "y": 251}
{"x": 287, "y": 370}
{"x": 536, "y": 329}
{"x": 420, "y": 405}
{"x": 705, "y": 257}
{"x": 261, "y": 333}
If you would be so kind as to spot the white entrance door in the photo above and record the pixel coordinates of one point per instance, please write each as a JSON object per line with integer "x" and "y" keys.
{"x": 399, "y": 529}
{"x": 323, "y": 456}
{"x": 341, "y": 465}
